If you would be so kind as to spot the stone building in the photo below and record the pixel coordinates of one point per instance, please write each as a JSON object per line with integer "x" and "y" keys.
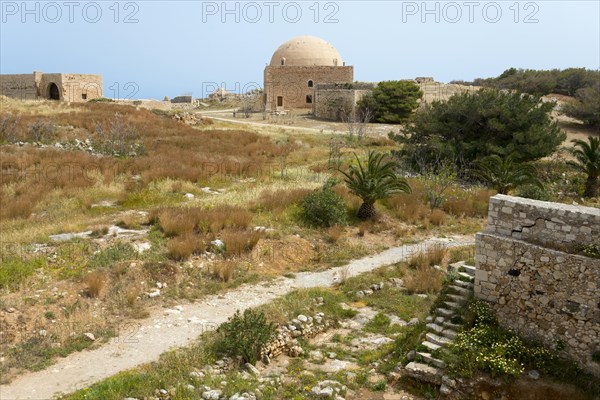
{"x": 296, "y": 67}
{"x": 338, "y": 101}
{"x": 56, "y": 86}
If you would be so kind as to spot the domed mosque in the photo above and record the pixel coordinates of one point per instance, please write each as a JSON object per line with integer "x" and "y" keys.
{"x": 296, "y": 67}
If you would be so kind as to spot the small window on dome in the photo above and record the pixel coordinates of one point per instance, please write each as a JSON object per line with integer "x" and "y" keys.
{"x": 310, "y": 83}
{"x": 283, "y": 61}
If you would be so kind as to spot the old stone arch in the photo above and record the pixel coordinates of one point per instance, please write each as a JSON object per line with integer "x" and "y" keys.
{"x": 53, "y": 92}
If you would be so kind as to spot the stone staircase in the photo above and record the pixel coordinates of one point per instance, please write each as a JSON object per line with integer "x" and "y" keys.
{"x": 440, "y": 330}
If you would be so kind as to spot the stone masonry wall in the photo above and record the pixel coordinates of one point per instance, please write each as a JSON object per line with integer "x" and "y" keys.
{"x": 333, "y": 104}
{"x": 291, "y": 82}
{"x": 36, "y": 86}
{"x": 541, "y": 292}
{"x": 18, "y": 86}
{"x": 542, "y": 222}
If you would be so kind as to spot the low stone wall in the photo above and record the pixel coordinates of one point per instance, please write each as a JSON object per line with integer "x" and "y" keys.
{"x": 542, "y": 222}
{"x": 543, "y": 293}
{"x": 285, "y": 338}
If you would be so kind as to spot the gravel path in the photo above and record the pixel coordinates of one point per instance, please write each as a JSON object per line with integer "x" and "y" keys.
{"x": 144, "y": 341}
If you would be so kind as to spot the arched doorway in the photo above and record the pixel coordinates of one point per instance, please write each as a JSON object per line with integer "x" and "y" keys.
{"x": 53, "y": 92}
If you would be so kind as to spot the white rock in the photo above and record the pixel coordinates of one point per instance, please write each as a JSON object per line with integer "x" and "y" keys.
{"x": 90, "y": 336}
{"x": 211, "y": 394}
{"x": 189, "y": 196}
{"x": 302, "y": 318}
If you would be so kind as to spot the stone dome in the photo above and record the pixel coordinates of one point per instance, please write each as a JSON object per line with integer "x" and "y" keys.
{"x": 306, "y": 51}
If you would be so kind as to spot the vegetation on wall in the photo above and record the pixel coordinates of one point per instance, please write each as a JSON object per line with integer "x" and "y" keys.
{"x": 542, "y": 82}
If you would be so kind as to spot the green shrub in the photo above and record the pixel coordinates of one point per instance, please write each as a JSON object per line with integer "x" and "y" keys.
{"x": 243, "y": 335}
{"x": 323, "y": 208}
{"x": 590, "y": 250}
{"x": 533, "y": 192}
{"x": 485, "y": 345}
{"x": 379, "y": 323}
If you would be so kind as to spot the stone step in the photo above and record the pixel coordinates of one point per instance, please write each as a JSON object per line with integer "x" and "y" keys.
{"x": 457, "y": 298}
{"x": 466, "y": 285}
{"x": 436, "y": 339}
{"x": 429, "y": 359}
{"x": 444, "y": 312}
{"x": 470, "y": 270}
{"x": 424, "y": 372}
{"x": 442, "y": 330}
{"x": 466, "y": 276}
{"x": 431, "y": 346}
{"x": 459, "y": 289}
{"x": 435, "y": 327}
{"x": 452, "y": 305}
{"x": 449, "y": 333}
{"x": 439, "y": 320}
{"x": 450, "y": 325}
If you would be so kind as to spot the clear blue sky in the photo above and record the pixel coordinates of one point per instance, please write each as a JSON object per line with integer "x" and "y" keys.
{"x": 178, "y": 47}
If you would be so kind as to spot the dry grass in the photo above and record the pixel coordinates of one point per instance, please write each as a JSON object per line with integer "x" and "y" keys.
{"x": 353, "y": 201}
{"x": 278, "y": 200}
{"x": 409, "y": 208}
{"x": 239, "y": 242}
{"x": 437, "y": 217}
{"x": 438, "y": 254}
{"x": 131, "y": 295}
{"x": 181, "y": 221}
{"x": 424, "y": 279}
{"x": 223, "y": 270}
{"x": 434, "y": 255}
{"x": 343, "y": 275}
{"x": 182, "y": 247}
{"x": 173, "y": 150}
{"x": 192, "y": 229}
{"x": 468, "y": 204}
{"x": 334, "y": 233}
{"x": 95, "y": 283}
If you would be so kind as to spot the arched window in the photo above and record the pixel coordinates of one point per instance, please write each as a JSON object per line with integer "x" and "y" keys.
{"x": 283, "y": 61}
{"x": 310, "y": 83}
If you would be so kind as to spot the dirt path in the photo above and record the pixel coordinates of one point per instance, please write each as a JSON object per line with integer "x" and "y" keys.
{"x": 168, "y": 328}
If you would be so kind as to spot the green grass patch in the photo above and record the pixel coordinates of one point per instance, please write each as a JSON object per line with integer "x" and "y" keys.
{"x": 14, "y": 271}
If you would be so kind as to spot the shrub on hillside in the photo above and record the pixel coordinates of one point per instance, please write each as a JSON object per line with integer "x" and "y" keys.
{"x": 472, "y": 126}
{"x": 323, "y": 208}
{"x": 244, "y": 335}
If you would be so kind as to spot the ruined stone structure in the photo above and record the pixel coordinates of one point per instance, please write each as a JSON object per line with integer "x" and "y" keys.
{"x": 337, "y": 101}
{"x": 296, "y": 67}
{"x": 39, "y": 86}
{"x": 527, "y": 270}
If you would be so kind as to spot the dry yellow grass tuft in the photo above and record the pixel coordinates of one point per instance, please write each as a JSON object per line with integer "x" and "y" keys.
{"x": 278, "y": 200}
{"x": 334, "y": 233}
{"x": 182, "y": 247}
{"x": 95, "y": 283}
{"x": 224, "y": 270}
{"x": 437, "y": 217}
{"x": 238, "y": 242}
{"x": 424, "y": 279}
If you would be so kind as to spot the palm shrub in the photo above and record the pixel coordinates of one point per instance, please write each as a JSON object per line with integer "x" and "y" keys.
{"x": 374, "y": 181}
{"x": 587, "y": 155}
{"x": 244, "y": 335}
{"x": 505, "y": 174}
